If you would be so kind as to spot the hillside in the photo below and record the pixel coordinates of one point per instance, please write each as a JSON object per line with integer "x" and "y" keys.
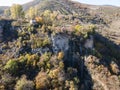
{"x": 63, "y": 6}
{"x": 31, "y": 4}
{"x": 2, "y": 8}
{"x": 71, "y": 46}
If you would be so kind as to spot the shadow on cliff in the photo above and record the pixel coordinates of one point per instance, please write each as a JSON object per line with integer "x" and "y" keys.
{"x": 74, "y": 60}
{"x": 9, "y": 33}
{"x": 108, "y": 50}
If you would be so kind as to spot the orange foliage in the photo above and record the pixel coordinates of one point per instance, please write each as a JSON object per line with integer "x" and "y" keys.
{"x": 60, "y": 55}
{"x": 42, "y": 81}
{"x": 39, "y": 20}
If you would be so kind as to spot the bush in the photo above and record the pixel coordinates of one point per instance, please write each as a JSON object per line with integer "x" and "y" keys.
{"x": 61, "y": 64}
{"x": 54, "y": 73}
{"x": 92, "y": 27}
{"x": 46, "y": 41}
{"x": 39, "y": 20}
{"x": 44, "y": 61}
{"x": 78, "y": 28}
{"x": 47, "y": 13}
{"x": 11, "y": 66}
{"x": 60, "y": 55}
{"x": 85, "y": 30}
{"x": 42, "y": 82}
{"x": 46, "y": 57}
{"x": 7, "y": 81}
{"x": 32, "y": 59}
{"x": 24, "y": 84}
{"x": 40, "y": 42}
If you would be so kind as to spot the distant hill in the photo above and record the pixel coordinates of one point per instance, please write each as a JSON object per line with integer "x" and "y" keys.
{"x": 2, "y": 8}
{"x": 30, "y": 4}
{"x": 67, "y": 6}
{"x": 60, "y": 5}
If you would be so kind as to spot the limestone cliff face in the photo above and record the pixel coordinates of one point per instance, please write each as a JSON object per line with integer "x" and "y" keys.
{"x": 60, "y": 43}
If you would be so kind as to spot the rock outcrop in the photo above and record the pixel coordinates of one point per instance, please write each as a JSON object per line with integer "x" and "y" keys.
{"x": 60, "y": 43}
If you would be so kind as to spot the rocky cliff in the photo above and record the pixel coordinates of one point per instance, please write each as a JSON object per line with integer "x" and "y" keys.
{"x": 71, "y": 51}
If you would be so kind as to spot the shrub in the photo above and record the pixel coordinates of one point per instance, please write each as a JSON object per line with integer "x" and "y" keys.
{"x": 7, "y": 81}
{"x": 46, "y": 57}
{"x": 24, "y": 84}
{"x": 44, "y": 61}
{"x": 92, "y": 27}
{"x": 73, "y": 86}
{"x": 46, "y": 41}
{"x": 60, "y": 55}
{"x": 39, "y": 20}
{"x": 85, "y": 30}
{"x": 61, "y": 64}
{"x": 78, "y": 28}
{"x": 54, "y": 73}
{"x": 40, "y": 42}
{"x": 32, "y": 59}
{"x": 11, "y": 66}
{"x": 70, "y": 85}
{"x": 2, "y": 87}
{"x": 47, "y": 13}
{"x": 42, "y": 82}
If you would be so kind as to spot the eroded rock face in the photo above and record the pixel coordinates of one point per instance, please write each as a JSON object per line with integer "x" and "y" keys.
{"x": 41, "y": 50}
{"x": 60, "y": 43}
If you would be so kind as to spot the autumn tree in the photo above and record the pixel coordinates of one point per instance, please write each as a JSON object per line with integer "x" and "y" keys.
{"x": 47, "y": 13}
{"x": 47, "y": 17}
{"x": 16, "y": 11}
{"x": 42, "y": 81}
{"x": 32, "y": 12}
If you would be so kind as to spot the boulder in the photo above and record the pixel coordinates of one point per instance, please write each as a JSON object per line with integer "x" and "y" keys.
{"x": 33, "y": 22}
{"x": 60, "y": 43}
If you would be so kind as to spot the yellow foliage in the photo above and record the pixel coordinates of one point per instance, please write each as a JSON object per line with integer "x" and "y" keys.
{"x": 32, "y": 59}
{"x": 46, "y": 57}
{"x": 54, "y": 73}
{"x": 31, "y": 12}
{"x": 47, "y": 13}
{"x": 61, "y": 64}
{"x": 91, "y": 27}
{"x": 16, "y": 11}
{"x": 53, "y": 15}
{"x": 60, "y": 55}
{"x": 78, "y": 27}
